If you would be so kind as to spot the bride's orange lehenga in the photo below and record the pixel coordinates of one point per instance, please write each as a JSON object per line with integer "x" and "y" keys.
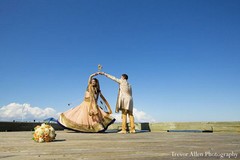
{"x": 88, "y": 116}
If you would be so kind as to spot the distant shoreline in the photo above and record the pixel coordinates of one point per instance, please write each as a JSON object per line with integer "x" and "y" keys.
{"x": 6, "y": 126}
{"x": 231, "y": 126}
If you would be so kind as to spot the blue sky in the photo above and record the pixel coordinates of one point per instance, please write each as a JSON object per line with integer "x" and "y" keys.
{"x": 182, "y": 56}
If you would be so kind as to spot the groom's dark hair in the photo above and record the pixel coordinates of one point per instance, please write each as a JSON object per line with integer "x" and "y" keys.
{"x": 125, "y": 76}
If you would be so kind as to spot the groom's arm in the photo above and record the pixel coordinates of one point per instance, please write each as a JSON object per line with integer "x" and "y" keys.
{"x": 112, "y": 77}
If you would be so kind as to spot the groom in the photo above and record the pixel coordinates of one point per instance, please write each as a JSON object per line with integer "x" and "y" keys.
{"x": 124, "y": 101}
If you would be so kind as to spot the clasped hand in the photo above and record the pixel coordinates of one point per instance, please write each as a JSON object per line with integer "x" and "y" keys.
{"x": 97, "y": 73}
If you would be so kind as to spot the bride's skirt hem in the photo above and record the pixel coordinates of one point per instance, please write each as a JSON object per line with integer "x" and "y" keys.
{"x": 96, "y": 128}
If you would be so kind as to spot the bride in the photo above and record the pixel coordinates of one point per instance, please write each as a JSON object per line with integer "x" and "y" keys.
{"x": 88, "y": 116}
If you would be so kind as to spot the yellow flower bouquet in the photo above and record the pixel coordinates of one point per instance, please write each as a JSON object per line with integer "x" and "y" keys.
{"x": 44, "y": 133}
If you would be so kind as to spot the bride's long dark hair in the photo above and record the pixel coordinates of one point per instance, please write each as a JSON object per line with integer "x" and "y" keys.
{"x": 97, "y": 85}
{"x": 93, "y": 100}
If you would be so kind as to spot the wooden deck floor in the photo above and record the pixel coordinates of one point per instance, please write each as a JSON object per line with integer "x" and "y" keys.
{"x": 114, "y": 146}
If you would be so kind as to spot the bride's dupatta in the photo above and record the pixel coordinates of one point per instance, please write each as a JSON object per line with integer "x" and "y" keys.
{"x": 93, "y": 95}
{"x": 94, "y": 92}
{"x": 106, "y": 104}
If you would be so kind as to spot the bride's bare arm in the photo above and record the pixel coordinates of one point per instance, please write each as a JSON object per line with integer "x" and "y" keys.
{"x": 91, "y": 76}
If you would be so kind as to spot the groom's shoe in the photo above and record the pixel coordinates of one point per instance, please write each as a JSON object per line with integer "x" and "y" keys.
{"x": 132, "y": 131}
{"x": 122, "y": 132}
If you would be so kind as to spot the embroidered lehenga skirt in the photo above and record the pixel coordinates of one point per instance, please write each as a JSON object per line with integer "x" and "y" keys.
{"x": 79, "y": 119}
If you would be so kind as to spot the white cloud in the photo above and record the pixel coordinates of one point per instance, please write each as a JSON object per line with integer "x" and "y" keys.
{"x": 25, "y": 112}
{"x": 139, "y": 116}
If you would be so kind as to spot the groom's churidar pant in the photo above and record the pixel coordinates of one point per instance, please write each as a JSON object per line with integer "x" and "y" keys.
{"x": 124, "y": 120}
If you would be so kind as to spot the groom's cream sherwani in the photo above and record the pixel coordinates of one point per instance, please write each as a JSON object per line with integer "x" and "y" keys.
{"x": 124, "y": 100}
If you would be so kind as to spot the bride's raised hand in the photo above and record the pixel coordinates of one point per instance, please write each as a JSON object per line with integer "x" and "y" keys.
{"x": 94, "y": 74}
{"x": 91, "y": 76}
